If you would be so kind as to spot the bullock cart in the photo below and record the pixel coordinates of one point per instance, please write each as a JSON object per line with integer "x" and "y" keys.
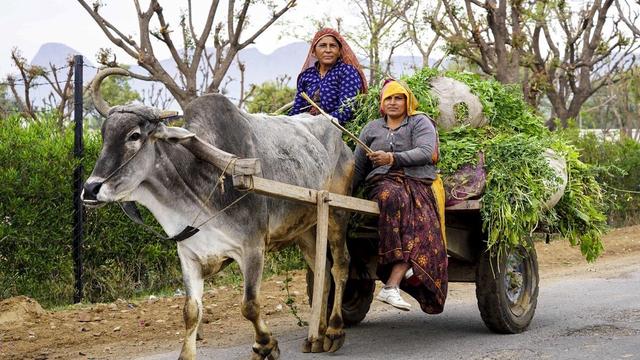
{"x": 506, "y": 284}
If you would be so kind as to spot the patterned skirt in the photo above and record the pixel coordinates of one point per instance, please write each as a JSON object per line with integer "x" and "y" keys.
{"x": 409, "y": 230}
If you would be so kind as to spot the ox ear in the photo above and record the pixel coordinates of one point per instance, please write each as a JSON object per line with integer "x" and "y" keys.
{"x": 172, "y": 134}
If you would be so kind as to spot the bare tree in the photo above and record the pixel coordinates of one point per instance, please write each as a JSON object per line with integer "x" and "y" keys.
{"x": 547, "y": 46}
{"x": 416, "y": 20}
{"x": 156, "y": 96}
{"x": 28, "y": 74}
{"x": 494, "y": 43}
{"x": 588, "y": 57}
{"x": 61, "y": 97}
{"x": 630, "y": 15}
{"x": 626, "y": 96}
{"x": 226, "y": 40}
{"x": 244, "y": 95}
{"x": 381, "y": 33}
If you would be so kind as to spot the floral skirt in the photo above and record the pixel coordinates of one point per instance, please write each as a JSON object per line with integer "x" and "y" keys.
{"x": 409, "y": 230}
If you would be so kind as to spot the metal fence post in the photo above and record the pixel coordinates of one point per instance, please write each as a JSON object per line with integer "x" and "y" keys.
{"x": 78, "y": 150}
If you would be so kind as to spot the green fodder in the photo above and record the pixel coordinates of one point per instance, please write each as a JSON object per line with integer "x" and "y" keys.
{"x": 518, "y": 175}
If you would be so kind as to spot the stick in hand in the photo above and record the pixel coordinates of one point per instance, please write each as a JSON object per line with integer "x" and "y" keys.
{"x": 337, "y": 124}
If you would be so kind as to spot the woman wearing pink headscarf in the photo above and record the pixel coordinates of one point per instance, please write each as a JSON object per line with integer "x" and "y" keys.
{"x": 331, "y": 76}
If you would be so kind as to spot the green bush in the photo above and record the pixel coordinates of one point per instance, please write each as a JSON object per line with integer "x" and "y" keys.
{"x": 269, "y": 97}
{"x": 36, "y": 217}
{"x": 618, "y": 165}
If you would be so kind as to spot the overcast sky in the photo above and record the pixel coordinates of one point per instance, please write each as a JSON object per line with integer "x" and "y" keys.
{"x": 27, "y": 24}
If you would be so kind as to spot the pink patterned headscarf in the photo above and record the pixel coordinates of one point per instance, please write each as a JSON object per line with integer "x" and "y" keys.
{"x": 346, "y": 54}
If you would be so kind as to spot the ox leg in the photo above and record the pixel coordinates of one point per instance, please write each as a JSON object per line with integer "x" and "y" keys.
{"x": 192, "y": 312}
{"x": 266, "y": 346}
{"x": 334, "y": 335}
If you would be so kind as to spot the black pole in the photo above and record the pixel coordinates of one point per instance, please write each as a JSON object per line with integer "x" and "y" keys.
{"x": 78, "y": 150}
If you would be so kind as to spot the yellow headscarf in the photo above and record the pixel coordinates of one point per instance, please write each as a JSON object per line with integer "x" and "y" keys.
{"x": 394, "y": 87}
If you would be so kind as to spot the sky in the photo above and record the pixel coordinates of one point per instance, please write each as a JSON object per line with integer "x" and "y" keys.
{"x": 27, "y": 24}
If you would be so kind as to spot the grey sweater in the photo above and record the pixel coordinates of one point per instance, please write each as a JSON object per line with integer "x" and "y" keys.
{"x": 413, "y": 145}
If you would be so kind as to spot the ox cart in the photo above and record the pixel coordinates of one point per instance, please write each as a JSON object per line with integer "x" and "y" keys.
{"x": 506, "y": 283}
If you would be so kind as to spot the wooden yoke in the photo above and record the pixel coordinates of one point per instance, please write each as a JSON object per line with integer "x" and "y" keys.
{"x": 222, "y": 159}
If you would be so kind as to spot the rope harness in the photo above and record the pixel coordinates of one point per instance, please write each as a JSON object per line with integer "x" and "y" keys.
{"x": 134, "y": 215}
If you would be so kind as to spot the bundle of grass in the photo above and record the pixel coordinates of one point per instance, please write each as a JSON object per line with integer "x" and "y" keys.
{"x": 514, "y": 142}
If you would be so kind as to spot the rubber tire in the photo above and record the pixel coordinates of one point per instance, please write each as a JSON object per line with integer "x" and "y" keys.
{"x": 356, "y": 301}
{"x": 499, "y": 313}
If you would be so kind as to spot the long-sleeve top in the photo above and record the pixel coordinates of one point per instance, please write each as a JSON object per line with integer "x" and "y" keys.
{"x": 336, "y": 89}
{"x": 414, "y": 145}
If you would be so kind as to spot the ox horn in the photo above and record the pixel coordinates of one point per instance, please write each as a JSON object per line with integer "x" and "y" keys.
{"x": 99, "y": 103}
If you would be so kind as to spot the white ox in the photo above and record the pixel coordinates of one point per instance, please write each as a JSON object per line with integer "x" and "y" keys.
{"x": 143, "y": 160}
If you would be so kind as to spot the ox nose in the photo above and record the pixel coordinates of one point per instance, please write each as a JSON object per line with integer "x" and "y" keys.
{"x": 91, "y": 191}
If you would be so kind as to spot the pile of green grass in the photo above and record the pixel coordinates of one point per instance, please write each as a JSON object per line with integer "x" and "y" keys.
{"x": 513, "y": 142}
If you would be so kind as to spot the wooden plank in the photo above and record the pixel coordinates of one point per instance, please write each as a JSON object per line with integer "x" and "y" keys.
{"x": 319, "y": 302}
{"x": 465, "y": 205}
{"x": 297, "y": 193}
{"x": 220, "y": 158}
{"x": 354, "y": 204}
{"x": 275, "y": 188}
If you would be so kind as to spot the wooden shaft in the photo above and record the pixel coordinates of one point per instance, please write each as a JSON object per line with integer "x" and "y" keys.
{"x": 320, "y": 268}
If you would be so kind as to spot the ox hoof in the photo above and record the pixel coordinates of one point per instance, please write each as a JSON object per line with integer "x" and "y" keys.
{"x": 270, "y": 351}
{"x": 312, "y": 346}
{"x": 200, "y": 333}
{"x": 306, "y": 346}
{"x": 333, "y": 340}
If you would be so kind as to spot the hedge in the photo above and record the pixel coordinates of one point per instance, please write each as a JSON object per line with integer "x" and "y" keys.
{"x": 36, "y": 217}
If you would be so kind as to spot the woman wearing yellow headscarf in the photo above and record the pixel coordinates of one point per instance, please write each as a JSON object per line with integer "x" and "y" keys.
{"x": 399, "y": 175}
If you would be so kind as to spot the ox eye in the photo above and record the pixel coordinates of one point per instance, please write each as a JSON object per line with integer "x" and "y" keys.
{"x": 134, "y": 137}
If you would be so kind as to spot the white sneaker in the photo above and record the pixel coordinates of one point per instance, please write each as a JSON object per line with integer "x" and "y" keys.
{"x": 392, "y": 297}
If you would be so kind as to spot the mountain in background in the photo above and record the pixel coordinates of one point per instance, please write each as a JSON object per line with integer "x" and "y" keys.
{"x": 283, "y": 61}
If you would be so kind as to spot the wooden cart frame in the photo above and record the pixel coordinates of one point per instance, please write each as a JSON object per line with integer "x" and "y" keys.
{"x": 506, "y": 285}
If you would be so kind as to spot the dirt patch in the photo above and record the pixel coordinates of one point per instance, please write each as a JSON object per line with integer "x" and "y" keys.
{"x": 127, "y": 329}
{"x": 19, "y": 309}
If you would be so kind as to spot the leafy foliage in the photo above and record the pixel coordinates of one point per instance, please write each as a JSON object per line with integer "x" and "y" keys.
{"x": 7, "y": 105}
{"x": 618, "y": 169}
{"x": 269, "y": 97}
{"x": 36, "y": 219}
{"x": 518, "y": 175}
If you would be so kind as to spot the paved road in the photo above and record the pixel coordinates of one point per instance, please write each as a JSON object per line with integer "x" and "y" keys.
{"x": 587, "y": 318}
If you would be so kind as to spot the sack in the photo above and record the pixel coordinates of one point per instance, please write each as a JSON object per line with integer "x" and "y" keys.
{"x": 467, "y": 183}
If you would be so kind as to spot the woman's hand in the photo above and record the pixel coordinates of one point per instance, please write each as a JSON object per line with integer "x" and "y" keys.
{"x": 380, "y": 158}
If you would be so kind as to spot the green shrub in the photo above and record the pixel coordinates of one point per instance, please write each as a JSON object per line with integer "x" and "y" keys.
{"x": 618, "y": 165}
{"x": 36, "y": 217}
{"x": 269, "y": 97}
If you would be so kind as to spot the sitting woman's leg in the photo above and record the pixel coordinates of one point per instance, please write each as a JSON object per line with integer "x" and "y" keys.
{"x": 392, "y": 197}
{"x": 397, "y": 273}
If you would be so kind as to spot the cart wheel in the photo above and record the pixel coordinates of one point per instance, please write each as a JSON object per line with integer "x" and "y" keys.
{"x": 507, "y": 289}
{"x": 356, "y": 300}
